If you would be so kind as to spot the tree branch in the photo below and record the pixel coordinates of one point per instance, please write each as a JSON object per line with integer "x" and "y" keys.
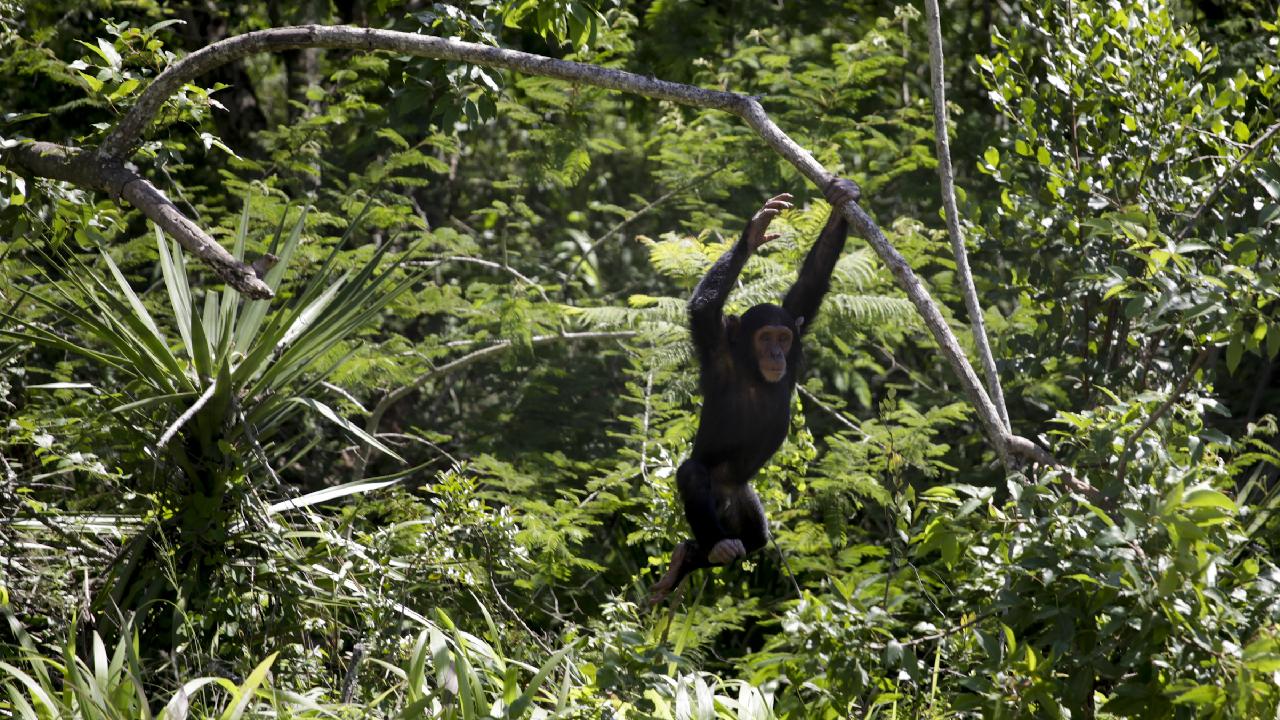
{"x": 976, "y": 322}
{"x": 127, "y": 136}
{"x": 641, "y": 213}
{"x": 85, "y": 169}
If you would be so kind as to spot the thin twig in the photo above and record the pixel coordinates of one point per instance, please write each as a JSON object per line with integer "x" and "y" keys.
{"x": 344, "y": 393}
{"x": 786, "y": 565}
{"x": 1226, "y": 177}
{"x": 1160, "y": 411}
{"x": 836, "y": 414}
{"x": 942, "y": 633}
{"x": 483, "y": 263}
{"x": 252, "y": 436}
{"x": 641, "y": 213}
{"x": 644, "y": 427}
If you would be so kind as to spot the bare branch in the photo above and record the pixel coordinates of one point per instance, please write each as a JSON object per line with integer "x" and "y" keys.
{"x": 641, "y": 213}
{"x": 127, "y": 136}
{"x": 946, "y": 176}
{"x": 87, "y": 170}
{"x": 482, "y": 263}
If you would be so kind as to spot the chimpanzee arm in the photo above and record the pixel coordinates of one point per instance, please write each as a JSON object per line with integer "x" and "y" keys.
{"x": 811, "y": 285}
{"x": 706, "y": 307}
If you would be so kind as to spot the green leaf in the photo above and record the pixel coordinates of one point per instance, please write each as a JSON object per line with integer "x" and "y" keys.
{"x": 38, "y": 693}
{"x": 1199, "y": 695}
{"x": 125, "y": 89}
{"x": 109, "y": 54}
{"x": 175, "y": 282}
{"x": 255, "y": 310}
{"x": 248, "y": 689}
{"x": 523, "y": 702}
{"x": 94, "y": 83}
{"x": 332, "y": 493}
{"x": 1042, "y": 156}
{"x": 1235, "y": 351}
{"x": 396, "y": 138}
{"x": 1241, "y": 131}
{"x": 1192, "y": 56}
{"x": 328, "y": 413}
{"x": 1202, "y": 496}
{"x": 992, "y": 156}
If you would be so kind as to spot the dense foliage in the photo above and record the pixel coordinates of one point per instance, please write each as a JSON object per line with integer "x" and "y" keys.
{"x": 434, "y": 476}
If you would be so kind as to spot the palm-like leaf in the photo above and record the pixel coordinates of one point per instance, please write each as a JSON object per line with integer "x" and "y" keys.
{"x": 236, "y": 363}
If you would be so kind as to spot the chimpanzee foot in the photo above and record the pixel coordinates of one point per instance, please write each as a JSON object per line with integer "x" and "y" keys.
{"x": 671, "y": 579}
{"x": 726, "y": 551}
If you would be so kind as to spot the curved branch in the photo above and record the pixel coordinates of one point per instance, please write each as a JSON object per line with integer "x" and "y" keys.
{"x": 126, "y": 136}
{"x": 59, "y": 162}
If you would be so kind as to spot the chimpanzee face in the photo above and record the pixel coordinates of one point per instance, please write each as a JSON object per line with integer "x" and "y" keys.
{"x": 765, "y": 339}
{"x": 771, "y": 345}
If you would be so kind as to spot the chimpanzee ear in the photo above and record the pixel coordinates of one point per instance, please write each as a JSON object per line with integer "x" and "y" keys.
{"x": 731, "y": 325}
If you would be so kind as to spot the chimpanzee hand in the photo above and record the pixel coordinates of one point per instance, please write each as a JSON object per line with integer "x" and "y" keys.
{"x": 841, "y": 190}
{"x": 756, "y": 235}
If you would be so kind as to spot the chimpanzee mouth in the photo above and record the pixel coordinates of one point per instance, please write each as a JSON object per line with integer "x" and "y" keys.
{"x": 773, "y": 374}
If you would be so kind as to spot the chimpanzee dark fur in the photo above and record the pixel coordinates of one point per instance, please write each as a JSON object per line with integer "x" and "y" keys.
{"x": 745, "y": 417}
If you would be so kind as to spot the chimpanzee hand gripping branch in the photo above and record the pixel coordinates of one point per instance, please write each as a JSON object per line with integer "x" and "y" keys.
{"x": 748, "y": 372}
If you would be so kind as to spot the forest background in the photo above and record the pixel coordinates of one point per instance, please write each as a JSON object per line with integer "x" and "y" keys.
{"x": 433, "y": 476}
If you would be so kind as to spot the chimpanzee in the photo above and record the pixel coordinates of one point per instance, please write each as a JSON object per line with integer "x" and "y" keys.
{"x": 749, "y": 368}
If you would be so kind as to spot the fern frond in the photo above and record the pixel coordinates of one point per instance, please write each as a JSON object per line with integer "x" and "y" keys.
{"x": 682, "y": 257}
{"x": 607, "y": 317}
{"x": 861, "y": 311}
{"x": 856, "y": 269}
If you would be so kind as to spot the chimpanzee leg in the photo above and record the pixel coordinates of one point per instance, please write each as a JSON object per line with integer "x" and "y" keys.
{"x": 752, "y": 525}
{"x": 693, "y": 480}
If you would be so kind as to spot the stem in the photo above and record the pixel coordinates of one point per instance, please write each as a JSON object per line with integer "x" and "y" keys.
{"x": 1226, "y": 177}
{"x": 1178, "y": 390}
{"x": 641, "y": 213}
